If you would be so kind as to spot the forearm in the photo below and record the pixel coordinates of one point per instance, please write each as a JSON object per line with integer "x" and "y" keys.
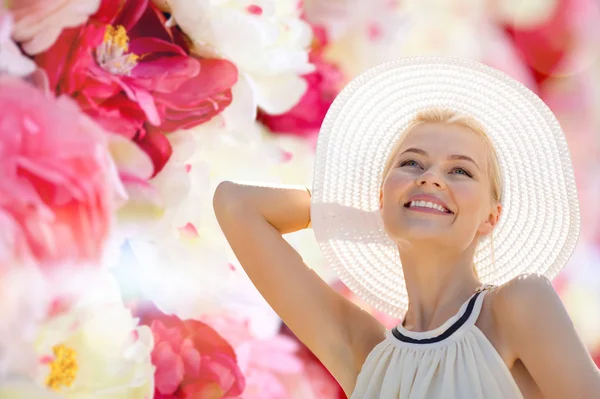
{"x": 285, "y": 207}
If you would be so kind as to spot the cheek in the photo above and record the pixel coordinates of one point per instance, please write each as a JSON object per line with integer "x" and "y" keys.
{"x": 469, "y": 198}
{"x": 396, "y": 183}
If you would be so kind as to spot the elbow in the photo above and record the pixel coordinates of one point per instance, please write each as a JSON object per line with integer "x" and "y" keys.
{"x": 226, "y": 198}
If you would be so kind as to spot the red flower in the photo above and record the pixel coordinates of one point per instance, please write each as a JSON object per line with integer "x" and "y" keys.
{"x": 135, "y": 76}
{"x": 192, "y": 360}
{"x": 306, "y": 117}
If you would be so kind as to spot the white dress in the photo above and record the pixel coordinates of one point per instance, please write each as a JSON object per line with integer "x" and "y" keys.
{"x": 454, "y": 361}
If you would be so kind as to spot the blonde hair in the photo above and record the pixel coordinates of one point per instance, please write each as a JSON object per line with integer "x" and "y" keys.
{"x": 449, "y": 117}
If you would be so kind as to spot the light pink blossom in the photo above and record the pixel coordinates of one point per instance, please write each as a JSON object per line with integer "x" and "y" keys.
{"x": 266, "y": 362}
{"x": 59, "y": 184}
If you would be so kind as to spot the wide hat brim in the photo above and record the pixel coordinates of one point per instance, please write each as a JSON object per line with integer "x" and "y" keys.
{"x": 539, "y": 227}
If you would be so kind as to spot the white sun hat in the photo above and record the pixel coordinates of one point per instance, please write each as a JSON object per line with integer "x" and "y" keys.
{"x": 539, "y": 227}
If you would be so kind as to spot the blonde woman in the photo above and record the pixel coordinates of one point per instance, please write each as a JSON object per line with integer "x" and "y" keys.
{"x": 444, "y": 195}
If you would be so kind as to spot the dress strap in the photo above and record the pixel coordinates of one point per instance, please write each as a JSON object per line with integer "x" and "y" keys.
{"x": 467, "y": 315}
{"x": 478, "y": 303}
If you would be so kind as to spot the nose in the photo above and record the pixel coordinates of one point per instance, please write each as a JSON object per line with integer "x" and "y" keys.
{"x": 430, "y": 178}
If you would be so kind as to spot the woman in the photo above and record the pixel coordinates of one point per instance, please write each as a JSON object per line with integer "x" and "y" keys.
{"x": 433, "y": 176}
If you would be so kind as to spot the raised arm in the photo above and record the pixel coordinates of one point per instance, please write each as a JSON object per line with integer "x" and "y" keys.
{"x": 253, "y": 220}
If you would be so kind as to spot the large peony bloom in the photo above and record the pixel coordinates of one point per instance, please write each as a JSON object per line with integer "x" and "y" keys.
{"x": 12, "y": 62}
{"x": 134, "y": 75}
{"x": 58, "y": 186}
{"x": 191, "y": 359}
{"x": 40, "y": 22}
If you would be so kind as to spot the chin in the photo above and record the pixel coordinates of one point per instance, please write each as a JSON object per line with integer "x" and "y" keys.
{"x": 418, "y": 233}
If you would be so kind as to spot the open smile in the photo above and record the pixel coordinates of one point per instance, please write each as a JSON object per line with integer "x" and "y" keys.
{"x": 428, "y": 207}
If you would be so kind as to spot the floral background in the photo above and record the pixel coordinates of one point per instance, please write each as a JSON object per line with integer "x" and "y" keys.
{"x": 119, "y": 118}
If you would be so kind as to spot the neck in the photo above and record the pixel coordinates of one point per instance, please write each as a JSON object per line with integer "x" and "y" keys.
{"x": 437, "y": 282}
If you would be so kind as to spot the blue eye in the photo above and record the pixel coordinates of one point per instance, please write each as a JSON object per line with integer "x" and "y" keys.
{"x": 461, "y": 171}
{"x": 409, "y": 162}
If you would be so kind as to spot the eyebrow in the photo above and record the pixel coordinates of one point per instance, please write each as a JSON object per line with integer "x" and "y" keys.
{"x": 459, "y": 157}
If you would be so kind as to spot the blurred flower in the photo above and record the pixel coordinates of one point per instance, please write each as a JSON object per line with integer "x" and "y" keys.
{"x": 69, "y": 332}
{"x": 191, "y": 359}
{"x": 181, "y": 275}
{"x": 40, "y": 22}
{"x": 59, "y": 185}
{"x": 384, "y": 30}
{"x": 264, "y": 361}
{"x": 180, "y": 259}
{"x": 524, "y": 15}
{"x": 315, "y": 381}
{"x": 135, "y": 169}
{"x": 19, "y": 388}
{"x": 324, "y": 83}
{"x": 580, "y": 295}
{"x": 134, "y": 75}
{"x": 564, "y": 41}
{"x": 12, "y": 61}
{"x": 96, "y": 348}
{"x": 25, "y": 298}
{"x": 265, "y": 39}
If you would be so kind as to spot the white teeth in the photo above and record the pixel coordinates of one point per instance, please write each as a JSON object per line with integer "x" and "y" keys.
{"x": 427, "y": 204}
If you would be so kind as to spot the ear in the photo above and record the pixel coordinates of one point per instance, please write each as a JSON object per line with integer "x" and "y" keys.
{"x": 487, "y": 226}
{"x": 380, "y": 199}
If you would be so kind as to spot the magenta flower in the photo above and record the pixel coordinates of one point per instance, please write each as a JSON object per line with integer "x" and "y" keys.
{"x": 136, "y": 77}
{"x": 192, "y": 360}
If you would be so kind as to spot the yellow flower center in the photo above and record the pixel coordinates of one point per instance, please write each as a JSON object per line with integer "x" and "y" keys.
{"x": 113, "y": 54}
{"x": 63, "y": 369}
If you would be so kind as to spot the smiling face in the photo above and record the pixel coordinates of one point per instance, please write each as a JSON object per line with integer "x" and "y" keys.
{"x": 438, "y": 187}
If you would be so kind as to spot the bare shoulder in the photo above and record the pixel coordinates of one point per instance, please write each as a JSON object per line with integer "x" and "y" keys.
{"x": 538, "y": 331}
{"x": 515, "y": 299}
{"x": 525, "y": 293}
{"x": 519, "y": 303}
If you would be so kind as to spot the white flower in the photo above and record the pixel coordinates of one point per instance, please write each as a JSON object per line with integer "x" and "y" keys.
{"x": 388, "y": 30}
{"x": 24, "y": 300}
{"x": 12, "y": 61}
{"x": 19, "y": 388}
{"x": 524, "y": 14}
{"x": 96, "y": 349}
{"x": 39, "y": 25}
{"x": 265, "y": 39}
{"x": 181, "y": 261}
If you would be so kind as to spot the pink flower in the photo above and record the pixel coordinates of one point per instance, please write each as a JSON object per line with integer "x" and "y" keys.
{"x": 266, "y": 362}
{"x": 136, "y": 77}
{"x": 40, "y": 22}
{"x": 563, "y": 43}
{"x": 315, "y": 378}
{"x": 58, "y": 182}
{"x": 305, "y": 118}
{"x": 192, "y": 360}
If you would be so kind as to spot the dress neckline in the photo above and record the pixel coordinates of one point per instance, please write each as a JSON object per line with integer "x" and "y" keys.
{"x": 471, "y": 307}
